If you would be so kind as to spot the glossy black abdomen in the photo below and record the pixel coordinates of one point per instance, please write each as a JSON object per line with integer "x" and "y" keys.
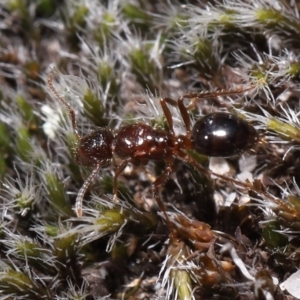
{"x": 222, "y": 135}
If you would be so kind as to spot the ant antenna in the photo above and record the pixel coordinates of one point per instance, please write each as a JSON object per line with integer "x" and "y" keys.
{"x": 61, "y": 100}
{"x": 83, "y": 189}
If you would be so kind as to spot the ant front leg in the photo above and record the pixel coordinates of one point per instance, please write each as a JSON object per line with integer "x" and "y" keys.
{"x": 118, "y": 171}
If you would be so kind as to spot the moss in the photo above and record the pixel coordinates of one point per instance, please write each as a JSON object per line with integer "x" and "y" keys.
{"x": 112, "y": 61}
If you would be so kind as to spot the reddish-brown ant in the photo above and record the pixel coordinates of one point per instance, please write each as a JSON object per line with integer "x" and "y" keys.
{"x": 217, "y": 134}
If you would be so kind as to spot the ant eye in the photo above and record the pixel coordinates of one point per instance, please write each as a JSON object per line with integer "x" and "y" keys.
{"x": 95, "y": 148}
{"x": 222, "y": 135}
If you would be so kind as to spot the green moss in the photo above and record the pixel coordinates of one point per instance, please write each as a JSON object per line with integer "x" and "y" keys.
{"x": 273, "y": 238}
{"x": 57, "y": 194}
{"x": 94, "y": 108}
{"x": 105, "y": 29}
{"x": 284, "y": 130}
{"x": 24, "y": 148}
{"x": 137, "y": 16}
{"x": 124, "y": 48}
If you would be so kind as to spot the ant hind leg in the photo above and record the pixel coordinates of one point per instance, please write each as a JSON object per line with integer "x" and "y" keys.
{"x": 156, "y": 185}
{"x": 213, "y": 94}
{"x": 191, "y": 161}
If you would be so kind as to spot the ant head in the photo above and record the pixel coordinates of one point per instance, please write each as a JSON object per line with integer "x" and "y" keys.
{"x": 94, "y": 148}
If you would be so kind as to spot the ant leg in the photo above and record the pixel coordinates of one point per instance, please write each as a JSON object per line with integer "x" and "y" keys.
{"x": 203, "y": 95}
{"x": 83, "y": 189}
{"x": 183, "y": 112}
{"x": 118, "y": 171}
{"x": 155, "y": 187}
{"x": 193, "y": 96}
{"x": 245, "y": 185}
{"x": 167, "y": 113}
{"x": 149, "y": 175}
{"x": 184, "y": 109}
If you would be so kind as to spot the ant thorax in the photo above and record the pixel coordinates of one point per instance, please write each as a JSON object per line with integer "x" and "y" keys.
{"x": 142, "y": 143}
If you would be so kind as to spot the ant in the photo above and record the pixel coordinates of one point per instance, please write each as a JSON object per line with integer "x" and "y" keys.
{"x": 216, "y": 135}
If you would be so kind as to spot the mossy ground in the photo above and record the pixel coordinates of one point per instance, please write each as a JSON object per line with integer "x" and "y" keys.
{"x": 112, "y": 61}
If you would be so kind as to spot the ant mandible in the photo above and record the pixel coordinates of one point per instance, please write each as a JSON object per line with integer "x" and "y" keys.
{"x": 216, "y": 135}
